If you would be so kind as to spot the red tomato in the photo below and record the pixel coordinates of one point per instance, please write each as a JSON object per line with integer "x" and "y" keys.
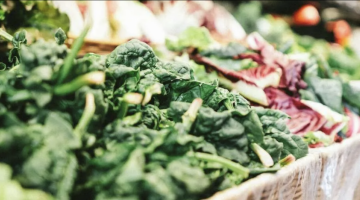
{"x": 307, "y": 15}
{"x": 341, "y": 30}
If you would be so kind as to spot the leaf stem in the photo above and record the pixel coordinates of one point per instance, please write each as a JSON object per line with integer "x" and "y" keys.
{"x": 87, "y": 115}
{"x": 129, "y": 98}
{"x": 15, "y": 68}
{"x": 235, "y": 167}
{"x": 6, "y": 35}
{"x": 225, "y": 83}
{"x": 263, "y": 155}
{"x": 154, "y": 89}
{"x": 189, "y": 116}
{"x": 92, "y": 78}
{"x": 287, "y": 160}
{"x": 228, "y": 104}
{"x": 69, "y": 60}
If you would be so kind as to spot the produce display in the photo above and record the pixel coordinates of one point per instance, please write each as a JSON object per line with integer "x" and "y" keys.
{"x": 296, "y": 83}
{"x": 182, "y": 120}
{"x": 311, "y": 80}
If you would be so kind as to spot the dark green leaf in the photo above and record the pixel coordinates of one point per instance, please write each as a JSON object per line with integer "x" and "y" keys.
{"x": 135, "y": 54}
{"x": 293, "y": 144}
{"x": 60, "y": 36}
{"x": 329, "y": 92}
{"x": 19, "y": 39}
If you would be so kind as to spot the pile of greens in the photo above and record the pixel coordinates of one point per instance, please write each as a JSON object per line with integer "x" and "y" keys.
{"x": 127, "y": 126}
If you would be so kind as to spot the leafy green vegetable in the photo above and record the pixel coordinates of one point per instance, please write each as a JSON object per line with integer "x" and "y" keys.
{"x": 308, "y": 94}
{"x": 253, "y": 127}
{"x": 127, "y": 126}
{"x": 60, "y": 36}
{"x": 201, "y": 75}
{"x": 19, "y": 38}
{"x": 273, "y": 147}
{"x": 247, "y": 14}
{"x": 235, "y": 65}
{"x": 167, "y": 72}
{"x": 11, "y": 189}
{"x": 278, "y": 142}
{"x": 317, "y": 137}
{"x": 188, "y": 90}
{"x": 293, "y": 144}
{"x": 273, "y": 121}
{"x": 216, "y": 128}
{"x": 328, "y": 91}
{"x": 13, "y": 57}
{"x": 191, "y": 37}
{"x": 264, "y": 156}
{"x": 343, "y": 62}
{"x": 133, "y": 54}
{"x": 258, "y": 168}
{"x": 351, "y": 93}
{"x": 232, "y": 166}
{"x": 232, "y": 49}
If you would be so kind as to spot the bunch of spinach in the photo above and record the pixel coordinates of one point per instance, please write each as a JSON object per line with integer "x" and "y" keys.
{"x": 129, "y": 126}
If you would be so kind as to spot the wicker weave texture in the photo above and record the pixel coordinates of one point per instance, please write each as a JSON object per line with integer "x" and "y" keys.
{"x": 329, "y": 173}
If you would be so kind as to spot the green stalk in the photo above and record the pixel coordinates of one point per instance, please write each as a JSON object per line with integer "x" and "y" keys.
{"x": 69, "y": 60}
{"x": 129, "y": 98}
{"x": 123, "y": 109}
{"x": 132, "y": 119}
{"x": 189, "y": 116}
{"x": 235, "y": 167}
{"x": 225, "y": 83}
{"x": 273, "y": 169}
{"x": 287, "y": 160}
{"x": 6, "y": 35}
{"x": 15, "y": 68}
{"x": 92, "y": 78}
{"x": 263, "y": 155}
{"x": 228, "y": 104}
{"x": 158, "y": 141}
{"x": 87, "y": 115}
{"x": 154, "y": 89}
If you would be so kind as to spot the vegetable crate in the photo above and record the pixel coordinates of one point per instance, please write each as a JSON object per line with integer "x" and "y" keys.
{"x": 326, "y": 173}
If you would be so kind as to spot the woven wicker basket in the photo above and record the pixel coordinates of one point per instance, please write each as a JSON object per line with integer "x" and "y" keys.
{"x": 326, "y": 173}
{"x": 94, "y": 46}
